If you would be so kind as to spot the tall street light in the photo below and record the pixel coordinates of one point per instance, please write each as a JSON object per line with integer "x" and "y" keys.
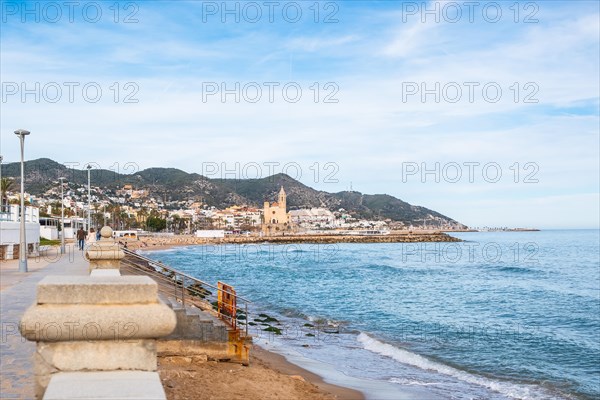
{"x": 21, "y": 133}
{"x": 62, "y": 215}
{"x": 1, "y": 193}
{"x": 89, "y": 221}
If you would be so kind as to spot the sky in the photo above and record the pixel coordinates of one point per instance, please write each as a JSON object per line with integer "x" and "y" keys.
{"x": 487, "y": 112}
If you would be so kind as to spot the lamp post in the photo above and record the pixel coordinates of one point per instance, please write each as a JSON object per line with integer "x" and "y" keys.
{"x": 21, "y": 133}
{"x": 1, "y": 193}
{"x": 62, "y": 215}
{"x": 89, "y": 219}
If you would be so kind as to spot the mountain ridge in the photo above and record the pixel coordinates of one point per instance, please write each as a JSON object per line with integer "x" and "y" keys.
{"x": 177, "y": 185}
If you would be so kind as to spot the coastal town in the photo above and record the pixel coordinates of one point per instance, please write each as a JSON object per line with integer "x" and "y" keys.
{"x": 135, "y": 211}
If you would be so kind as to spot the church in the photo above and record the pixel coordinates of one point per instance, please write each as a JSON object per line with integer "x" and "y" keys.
{"x": 275, "y": 218}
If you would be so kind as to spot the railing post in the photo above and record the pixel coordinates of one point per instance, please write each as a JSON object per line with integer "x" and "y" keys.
{"x": 175, "y": 285}
{"x": 246, "y": 311}
{"x": 183, "y": 290}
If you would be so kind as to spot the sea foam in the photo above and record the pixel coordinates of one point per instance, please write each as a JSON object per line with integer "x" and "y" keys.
{"x": 517, "y": 391}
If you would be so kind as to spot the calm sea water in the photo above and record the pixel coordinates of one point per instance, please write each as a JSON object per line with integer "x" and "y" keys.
{"x": 501, "y": 315}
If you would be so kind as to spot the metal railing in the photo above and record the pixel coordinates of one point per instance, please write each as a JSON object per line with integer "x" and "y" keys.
{"x": 190, "y": 290}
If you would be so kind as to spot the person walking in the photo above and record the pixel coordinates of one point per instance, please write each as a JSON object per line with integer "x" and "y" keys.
{"x": 80, "y": 238}
{"x": 91, "y": 237}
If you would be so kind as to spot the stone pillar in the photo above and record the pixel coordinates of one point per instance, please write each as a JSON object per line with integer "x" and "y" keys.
{"x": 105, "y": 253}
{"x": 84, "y": 323}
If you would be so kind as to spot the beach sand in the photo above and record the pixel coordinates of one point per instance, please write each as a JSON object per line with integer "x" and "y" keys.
{"x": 269, "y": 376}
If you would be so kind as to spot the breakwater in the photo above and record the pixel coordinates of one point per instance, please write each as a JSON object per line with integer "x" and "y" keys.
{"x": 398, "y": 238}
{"x": 186, "y": 240}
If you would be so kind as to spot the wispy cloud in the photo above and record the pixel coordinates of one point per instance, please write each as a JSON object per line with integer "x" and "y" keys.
{"x": 369, "y": 54}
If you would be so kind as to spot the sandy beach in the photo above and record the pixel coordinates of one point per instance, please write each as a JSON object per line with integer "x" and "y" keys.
{"x": 269, "y": 376}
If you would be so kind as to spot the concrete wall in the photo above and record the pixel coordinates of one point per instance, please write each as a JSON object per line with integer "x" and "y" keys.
{"x": 210, "y": 233}
{"x": 10, "y": 232}
{"x": 49, "y": 232}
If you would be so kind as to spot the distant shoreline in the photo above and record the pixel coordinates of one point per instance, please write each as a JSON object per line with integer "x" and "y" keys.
{"x": 495, "y": 230}
{"x": 162, "y": 243}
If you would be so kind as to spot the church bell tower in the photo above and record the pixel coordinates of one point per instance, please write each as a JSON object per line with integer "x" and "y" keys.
{"x": 282, "y": 200}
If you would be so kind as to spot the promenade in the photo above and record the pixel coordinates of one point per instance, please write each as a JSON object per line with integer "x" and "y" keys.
{"x": 17, "y": 293}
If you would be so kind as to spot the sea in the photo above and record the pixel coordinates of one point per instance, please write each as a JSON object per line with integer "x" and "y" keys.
{"x": 501, "y": 315}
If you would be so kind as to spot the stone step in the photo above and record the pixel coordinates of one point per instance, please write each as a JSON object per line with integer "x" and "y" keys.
{"x": 196, "y": 324}
{"x": 113, "y": 385}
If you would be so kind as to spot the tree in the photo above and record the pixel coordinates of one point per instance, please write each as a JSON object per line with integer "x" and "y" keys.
{"x": 155, "y": 224}
{"x": 5, "y": 185}
{"x": 142, "y": 215}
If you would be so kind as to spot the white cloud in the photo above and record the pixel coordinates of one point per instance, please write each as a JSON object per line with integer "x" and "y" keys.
{"x": 369, "y": 133}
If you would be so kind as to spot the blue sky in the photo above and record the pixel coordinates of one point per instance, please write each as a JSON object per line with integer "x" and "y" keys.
{"x": 373, "y": 55}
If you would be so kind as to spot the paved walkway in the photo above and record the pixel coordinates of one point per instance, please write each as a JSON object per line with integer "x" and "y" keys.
{"x": 17, "y": 293}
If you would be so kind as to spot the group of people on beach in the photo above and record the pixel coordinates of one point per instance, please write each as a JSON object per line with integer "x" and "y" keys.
{"x": 83, "y": 238}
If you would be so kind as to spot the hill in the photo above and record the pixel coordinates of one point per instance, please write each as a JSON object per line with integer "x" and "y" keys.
{"x": 174, "y": 184}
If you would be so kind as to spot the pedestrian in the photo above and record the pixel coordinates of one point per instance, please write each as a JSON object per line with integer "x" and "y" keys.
{"x": 98, "y": 235}
{"x": 91, "y": 237}
{"x": 80, "y": 238}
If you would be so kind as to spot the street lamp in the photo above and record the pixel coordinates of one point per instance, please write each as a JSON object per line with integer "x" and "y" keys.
{"x": 62, "y": 215}
{"x": 89, "y": 221}
{"x": 21, "y": 133}
{"x": 1, "y": 193}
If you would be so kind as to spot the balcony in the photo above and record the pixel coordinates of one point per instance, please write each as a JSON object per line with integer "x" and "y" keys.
{"x": 12, "y": 213}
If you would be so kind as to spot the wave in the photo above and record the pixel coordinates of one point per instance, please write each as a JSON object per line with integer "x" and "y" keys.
{"x": 518, "y": 270}
{"x": 517, "y": 391}
{"x": 408, "y": 382}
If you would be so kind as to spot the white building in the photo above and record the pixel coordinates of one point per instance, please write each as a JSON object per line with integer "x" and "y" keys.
{"x": 313, "y": 217}
{"x": 10, "y": 231}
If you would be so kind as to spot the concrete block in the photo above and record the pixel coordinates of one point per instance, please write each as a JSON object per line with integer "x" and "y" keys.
{"x": 97, "y": 290}
{"x": 51, "y": 358}
{"x": 101, "y": 273}
{"x": 116, "y": 385}
{"x": 104, "y": 264}
{"x": 100, "y": 355}
{"x": 68, "y": 322}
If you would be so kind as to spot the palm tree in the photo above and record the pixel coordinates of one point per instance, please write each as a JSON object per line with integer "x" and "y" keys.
{"x": 5, "y": 186}
{"x": 142, "y": 216}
